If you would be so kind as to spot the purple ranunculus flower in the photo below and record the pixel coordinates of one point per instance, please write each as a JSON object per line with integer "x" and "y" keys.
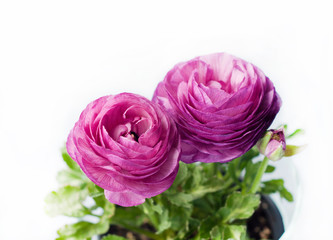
{"x": 222, "y": 105}
{"x": 273, "y": 144}
{"x": 127, "y": 145}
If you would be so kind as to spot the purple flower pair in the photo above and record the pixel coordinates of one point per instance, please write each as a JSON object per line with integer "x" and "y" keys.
{"x": 213, "y": 108}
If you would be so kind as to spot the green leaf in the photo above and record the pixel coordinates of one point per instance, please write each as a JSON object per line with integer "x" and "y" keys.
{"x": 216, "y": 233}
{"x": 96, "y": 195}
{"x": 113, "y": 237}
{"x": 284, "y": 193}
{"x": 81, "y": 230}
{"x": 164, "y": 222}
{"x": 239, "y": 206}
{"x": 182, "y": 174}
{"x": 179, "y": 217}
{"x": 109, "y": 210}
{"x": 155, "y": 207}
{"x": 69, "y": 161}
{"x": 95, "y": 191}
{"x": 67, "y": 201}
{"x": 206, "y": 227}
{"x": 84, "y": 230}
{"x": 272, "y": 186}
{"x": 71, "y": 177}
{"x": 99, "y": 200}
{"x": 196, "y": 177}
{"x": 99, "y": 189}
{"x": 270, "y": 169}
{"x": 276, "y": 185}
{"x": 233, "y": 169}
{"x": 181, "y": 199}
{"x": 295, "y": 133}
{"x": 212, "y": 185}
{"x": 132, "y": 216}
{"x": 234, "y": 232}
{"x": 75, "y": 231}
{"x": 228, "y": 232}
{"x": 193, "y": 225}
{"x": 293, "y": 150}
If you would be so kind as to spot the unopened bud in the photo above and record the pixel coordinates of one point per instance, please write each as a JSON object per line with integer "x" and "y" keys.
{"x": 273, "y": 144}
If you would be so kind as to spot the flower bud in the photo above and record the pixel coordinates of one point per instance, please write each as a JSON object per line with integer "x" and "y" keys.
{"x": 273, "y": 144}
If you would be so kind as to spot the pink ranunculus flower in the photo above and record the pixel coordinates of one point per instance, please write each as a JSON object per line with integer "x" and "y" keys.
{"x": 221, "y": 104}
{"x": 126, "y": 145}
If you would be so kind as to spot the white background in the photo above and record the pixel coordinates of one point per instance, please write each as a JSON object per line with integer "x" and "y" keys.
{"x": 57, "y": 56}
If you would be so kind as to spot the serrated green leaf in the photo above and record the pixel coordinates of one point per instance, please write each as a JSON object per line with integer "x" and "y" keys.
{"x": 212, "y": 185}
{"x": 132, "y": 216}
{"x": 109, "y": 210}
{"x": 206, "y": 227}
{"x": 74, "y": 230}
{"x": 95, "y": 191}
{"x": 239, "y": 206}
{"x": 193, "y": 225}
{"x": 154, "y": 207}
{"x": 100, "y": 200}
{"x": 71, "y": 177}
{"x": 181, "y": 199}
{"x": 234, "y": 232}
{"x": 85, "y": 230}
{"x": 181, "y": 232}
{"x": 234, "y": 171}
{"x": 113, "y": 237}
{"x": 99, "y": 189}
{"x": 157, "y": 208}
{"x": 284, "y": 193}
{"x": 69, "y": 161}
{"x": 164, "y": 222}
{"x": 67, "y": 201}
{"x": 216, "y": 233}
{"x": 211, "y": 169}
{"x": 179, "y": 217}
{"x": 181, "y": 175}
{"x": 196, "y": 177}
{"x": 203, "y": 207}
{"x": 277, "y": 185}
{"x": 224, "y": 212}
{"x": 82, "y": 230}
{"x": 270, "y": 169}
{"x": 272, "y": 186}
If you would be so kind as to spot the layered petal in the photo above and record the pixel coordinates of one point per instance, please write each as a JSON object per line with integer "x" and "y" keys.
{"x": 127, "y": 145}
{"x": 221, "y": 104}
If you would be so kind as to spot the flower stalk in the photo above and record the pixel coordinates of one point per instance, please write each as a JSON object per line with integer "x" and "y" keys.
{"x": 257, "y": 180}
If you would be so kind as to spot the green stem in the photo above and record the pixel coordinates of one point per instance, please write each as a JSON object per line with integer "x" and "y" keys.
{"x": 235, "y": 188}
{"x": 203, "y": 191}
{"x": 95, "y": 215}
{"x": 153, "y": 218}
{"x": 141, "y": 231}
{"x": 260, "y": 173}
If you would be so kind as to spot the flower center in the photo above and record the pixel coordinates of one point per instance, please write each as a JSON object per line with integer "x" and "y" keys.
{"x": 276, "y": 137}
{"x": 134, "y": 136}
